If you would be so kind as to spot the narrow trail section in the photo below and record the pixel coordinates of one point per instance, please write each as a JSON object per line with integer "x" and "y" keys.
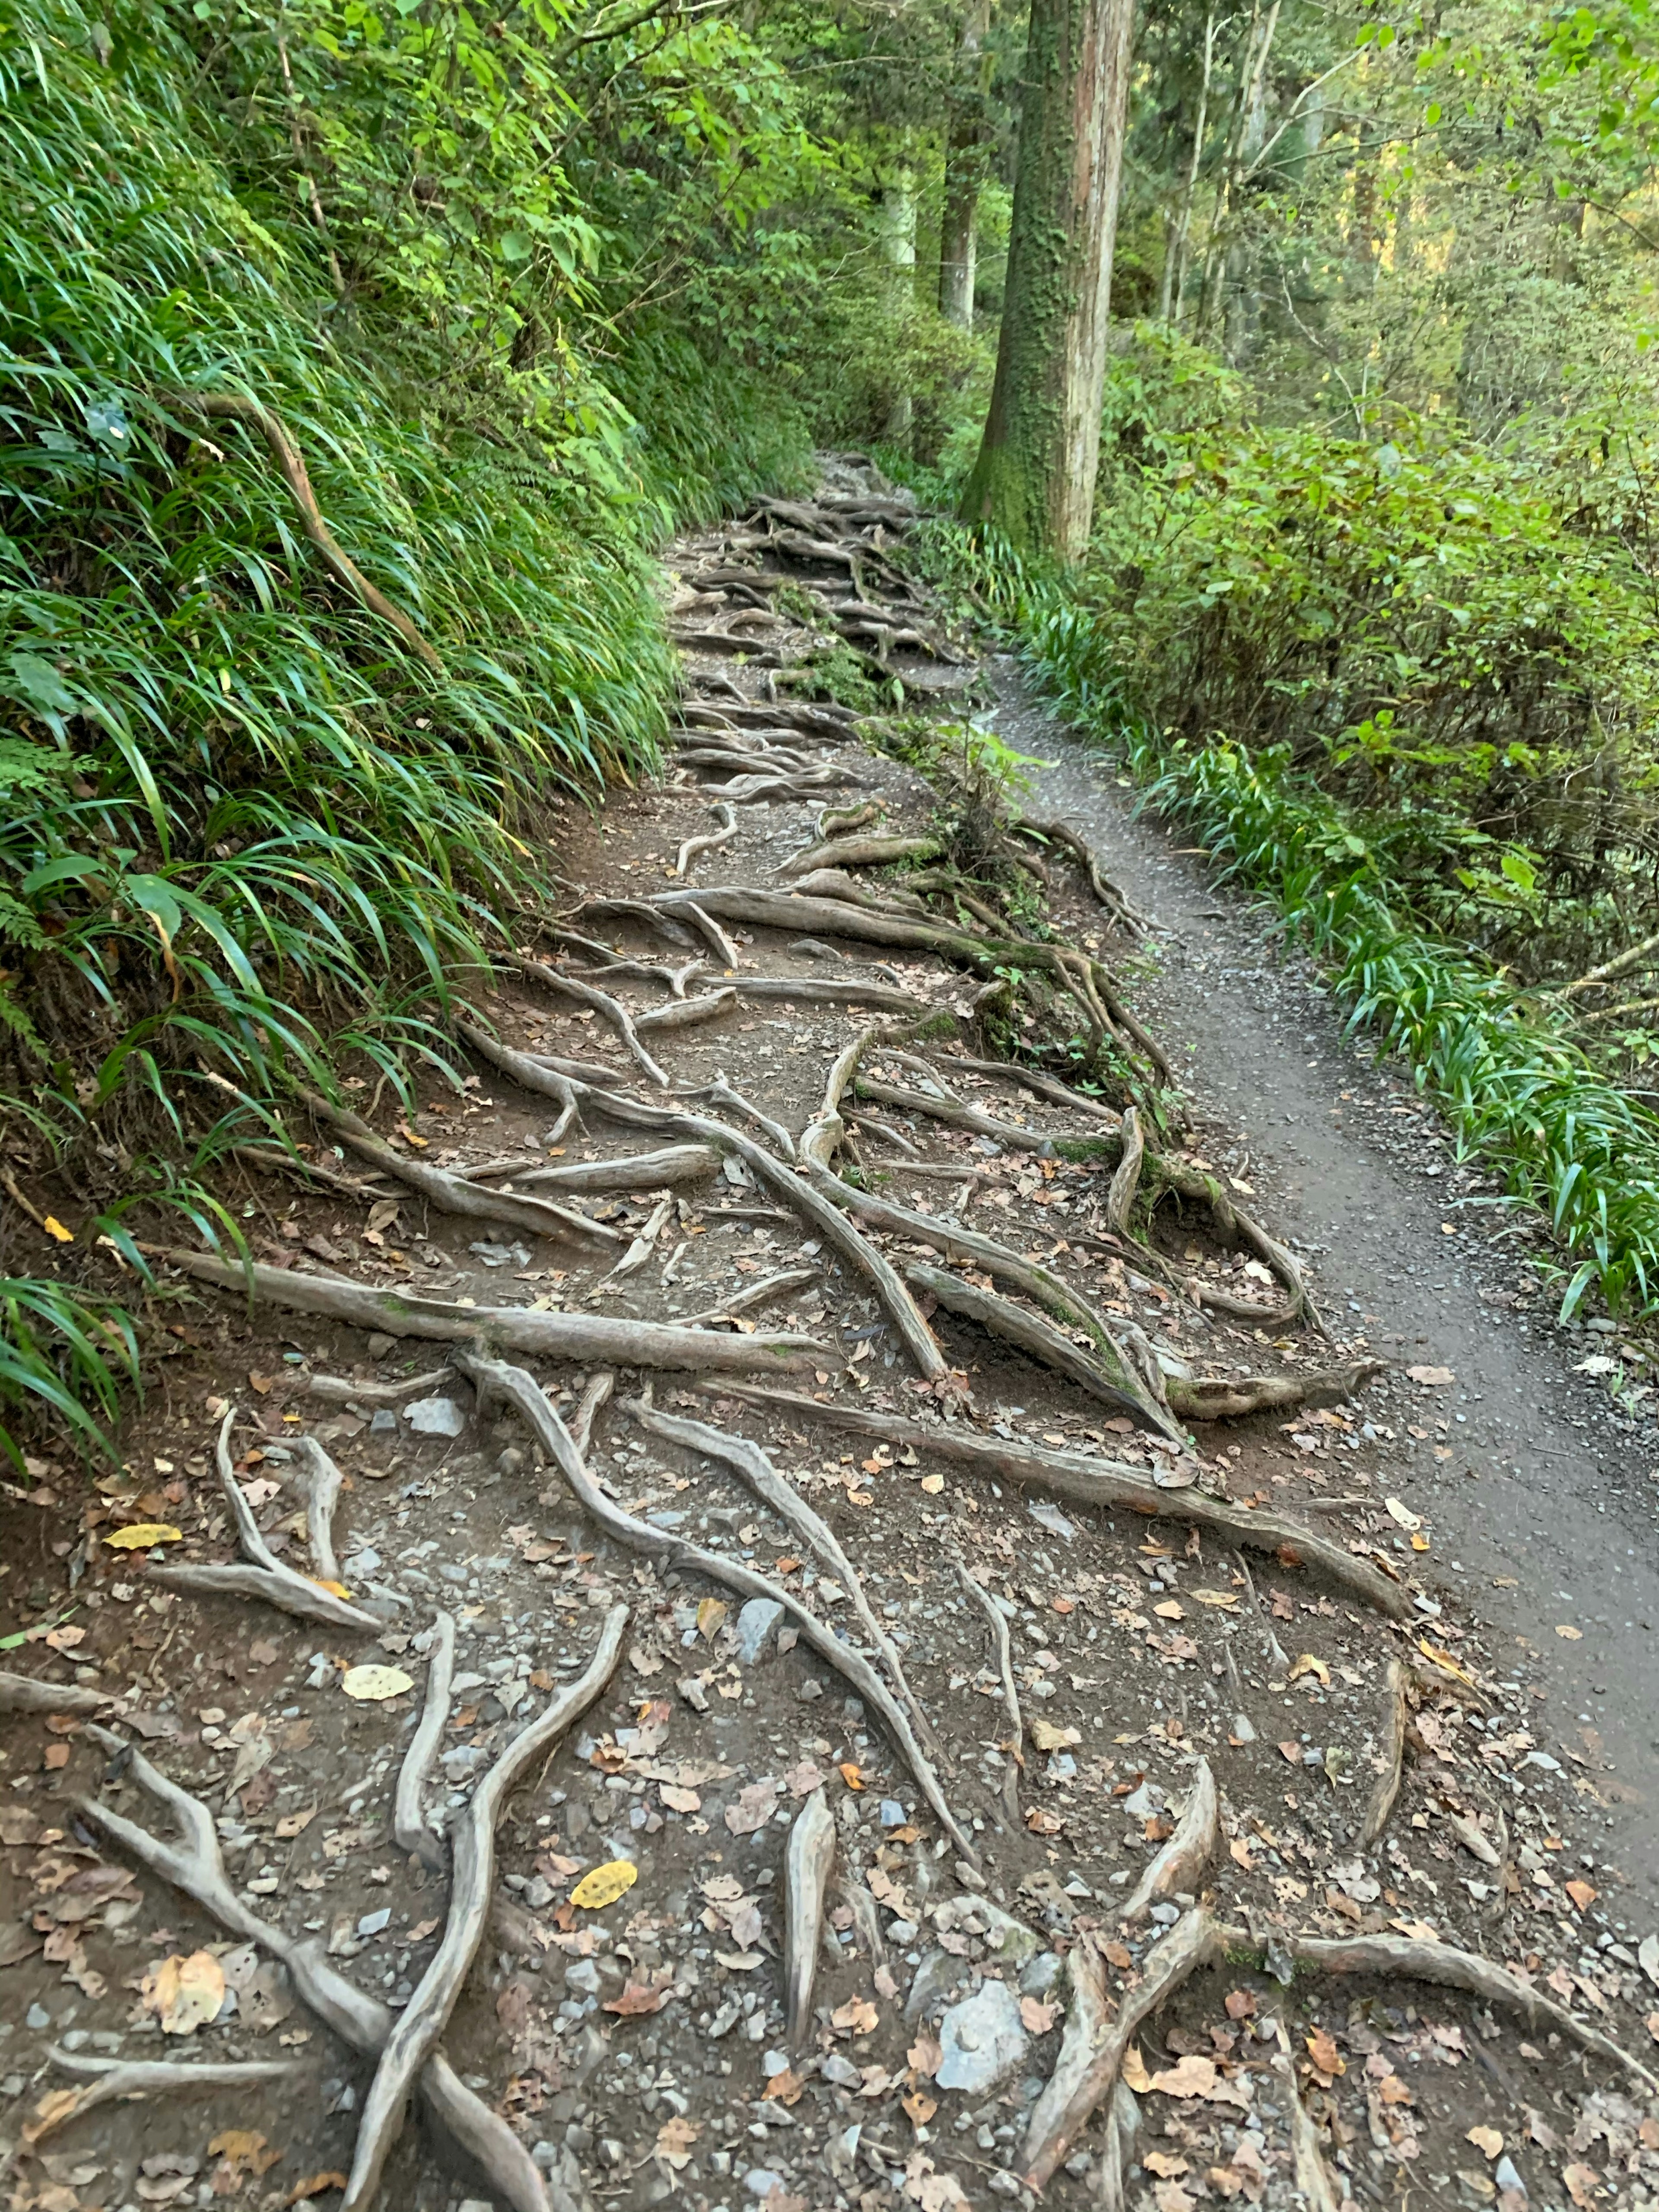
{"x": 826, "y": 1583}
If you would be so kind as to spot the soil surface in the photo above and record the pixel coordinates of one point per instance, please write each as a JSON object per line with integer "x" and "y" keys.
{"x": 951, "y": 1695}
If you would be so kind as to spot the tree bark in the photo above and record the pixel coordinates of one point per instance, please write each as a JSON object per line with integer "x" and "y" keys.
{"x": 965, "y": 149}
{"x": 1034, "y": 481}
{"x": 898, "y": 228}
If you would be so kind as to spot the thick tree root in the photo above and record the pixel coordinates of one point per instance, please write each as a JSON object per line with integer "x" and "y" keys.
{"x": 107, "y": 2078}
{"x": 581, "y": 1337}
{"x": 1088, "y": 2024}
{"x": 196, "y": 1868}
{"x": 21, "y": 1693}
{"x": 1113, "y": 901}
{"x": 320, "y": 1482}
{"x": 1035, "y": 1079}
{"x": 813, "y": 991}
{"x": 792, "y": 1510}
{"x": 345, "y": 1390}
{"x": 1233, "y": 1397}
{"x": 1307, "y": 2151}
{"x": 1039, "y": 1340}
{"x": 672, "y": 1164}
{"x": 454, "y": 1194}
{"x": 1016, "y": 1744}
{"x": 1057, "y": 1298}
{"x": 687, "y": 1014}
{"x": 1126, "y": 1181}
{"x": 267, "y": 1576}
{"x": 859, "y": 853}
{"x": 1405, "y": 1957}
{"x": 757, "y": 1294}
{"x": 1056, "y": 2124}
{"x": 1107, "y": 1484}
{"x": 518, "y": 1389}
{"x": 795, "y": 1193}
{"x": 1188, "y": 1852}
{"x": 809, "y": 1859}
{"x": 409, "y": 1823}
{"x": 420, "y": 2026}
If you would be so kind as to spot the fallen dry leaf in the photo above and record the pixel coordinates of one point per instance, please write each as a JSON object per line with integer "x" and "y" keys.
{"x": 1309, "y": 1663}
{"x": 1431, "y": 1378}
{"x": 1324, "y": 2053}
{"x": 1038, "y": 2015}
{"x": 637, "y": 1997}
{"x": 243, "y": 2153}
{"x": 184, "y": 1992}
{"x": 1397, "y": 1510}
{"x": 1572, "y": 1635}
{"x": 1582, "y": 2185}
{"x": 858, "y": 2016}
{"x": 1240, "y": 2004}
{"x": 675, "y": 2138}
{"x": 313, "y": 2185}
{"x": 375, "y": 1684}
{"x": 1486, "y": 2141}
{"x": 141, "y": 1534}
{"x": 604, "y": 1885}
{"x": 753, "y": 1806}
{"x": 919, "y": 2108}
{"x": 1581, "y": 1893}
{"x": 785, "y": 2087}
{"x": 294, "y": 1824}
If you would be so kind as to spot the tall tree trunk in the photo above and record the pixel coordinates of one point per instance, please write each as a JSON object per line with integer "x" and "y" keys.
{"x": 1034, "y": 478}
{"x": 1175, "y": 265}
{"x": 899, "y": 249}
{"x": 965, "y": 149}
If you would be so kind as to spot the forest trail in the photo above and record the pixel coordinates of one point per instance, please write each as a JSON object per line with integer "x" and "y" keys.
{"x": 948, "y": 1772}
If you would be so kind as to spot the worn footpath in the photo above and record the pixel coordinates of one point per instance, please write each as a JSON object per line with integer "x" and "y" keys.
{"x": 807, "y": 1593}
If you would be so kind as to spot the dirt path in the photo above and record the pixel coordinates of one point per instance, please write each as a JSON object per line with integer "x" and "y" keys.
{"x": 924, "y": 1722}
{"x": 1543, "y": 1515}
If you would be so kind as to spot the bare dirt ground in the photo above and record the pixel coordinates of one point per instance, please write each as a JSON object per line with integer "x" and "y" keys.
{"x": 965, "y": 1789}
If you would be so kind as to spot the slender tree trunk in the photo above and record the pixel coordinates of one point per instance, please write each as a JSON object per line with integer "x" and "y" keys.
{"x": 1175, "y": 290}
{"x": 1034, "y": 478}
{"x": 965, "y": 148}
{"x": 898, "y": 247}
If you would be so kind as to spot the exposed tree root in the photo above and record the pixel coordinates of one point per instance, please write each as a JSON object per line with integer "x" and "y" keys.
{"x": 1117, "y": 2145}
{"x": 721, "y": 1093}
{"x": 1406, "y": 1958}
{"x": 688, "y": 1013}
{"x": 1125, "y": 1179}
{"x": 268, "y": 1577}
{"x": 859, "y": 853}
{"x": 958, "y": 1114}
{"x": 809, "y": 1858}
{"x": 1035, "y": 1079}
{"x": 795, "y": 1193}
{"x": 755, "y": 1294}
{"x": 320, "y": 1482}
{"x": 1088, "y": 2024}
{"x": 21, "y": 1693}
{"x": 596, "y": 1395}
{"x": 107, "y": 2078}
{"x": 409, "y": 1823}
{"x": 1193, "y": 1943}
{"x": 812, "y": 991}
{"x": 837, "y": 821}
{"x": 1114, "y": 902}
{"x": 1120, "y": 1388}
{"x": 589, "y": 994}
{"x": 518, "y": 1388}
{"x": 792, "y": 1510}
{"x": 578, "y": 1337}
{"x": 1039, "y": 1284}
{"x": 1016, "y": 1744}
{"x": 1307, "y": 2151}
{"x": 693, "y": 845}
{"x": 196, "y": 1868}
{"x": 454, "y": 1194}
{"x": 1103, "y": 1482}
{"x": 420, "y": 2024}
{"x": 1386, "y": 1795}
{"x": 311, "y": 1173}
{"x": 672, "y": 1164}
{"x": 1188, "y": 1852}
{"x": 1231, "y": 1397}
{"x": 344, "y": 1390}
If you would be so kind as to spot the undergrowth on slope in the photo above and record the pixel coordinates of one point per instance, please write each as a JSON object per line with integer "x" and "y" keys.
{"x": 248, "y": 836}
{"x": 1561, "y": 1133}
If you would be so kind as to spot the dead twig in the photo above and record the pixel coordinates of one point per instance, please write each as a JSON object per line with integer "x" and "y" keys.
{"x": 1016, "y": 1745}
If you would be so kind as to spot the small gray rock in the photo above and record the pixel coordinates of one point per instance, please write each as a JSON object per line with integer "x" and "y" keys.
{"x": 841, "y": 2071}
{"x": 583, "y": 1976}
{"x": 436, "y": 1417}
{"x": 893, "y": 1815}
{"x": 384, "y": 1423}
{"x": 382, "y": 1346}
{"x": 1504, "y": 2174}
{"x": 760, "y": 2181}
{"x": 373, "y": 1923}
{"x": 1041, "y": 1974}
{"x": 983, "y": 2040}
{"x": 1242, "y": 1730}
{"x": 37, "y": 2017}
{"x": 755, "y": 1623}
{"x": 1051, "y": 1518}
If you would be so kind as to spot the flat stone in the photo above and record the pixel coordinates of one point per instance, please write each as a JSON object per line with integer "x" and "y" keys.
{"x": 1142, "y": 1803}
{"x": 382, "y": 1346}
{"x": 755, "y": 1623}
{"x": 760, "y": 2181}
{"x": 893, "y": 1815}
{"x": 1242, "y": 1732}
{"x": 841, "y": 2071}
{"x": 436, "y": 1417}
{"x": 982, "y": 2039}
{"x": 37, "y": 2017}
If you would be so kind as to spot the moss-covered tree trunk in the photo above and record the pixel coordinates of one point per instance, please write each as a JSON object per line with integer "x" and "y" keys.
{"x": 1035, "y": 478}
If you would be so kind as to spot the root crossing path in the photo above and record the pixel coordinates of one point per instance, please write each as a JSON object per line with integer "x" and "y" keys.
{"x": 882, "y": 1559}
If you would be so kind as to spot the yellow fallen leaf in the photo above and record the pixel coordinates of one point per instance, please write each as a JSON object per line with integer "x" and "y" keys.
{"x": 375, "y": 1683}
{"x": 1227, "y": 1598}
{"x": 1049, "y": 1736}
{"x": 932, "y": 1484}
{"x": 409, "y": 1136}
{"x": 1487, "y": 2140}
{"x": 335, "y": 1589}
{"x": 141, "y": 1534}
{"x": 1309, "y": 1663}
{"x": 53, "y": 2109}
{"x": 1419, "y": 1542}
{"x": 183, "y": 1992}
{"x": 711, "y": 1613}
{"x": 243, "y": 2151}
{"x": 1572, "y": 1635}
{"x": 604, "y": 1885}
{"x": 1134, "y": 2071}
{"x": 54, "y": 1227}
{"x": 1402, "y": 1514}
{"x": 1444, "y": 1659}
{"x": 1169, "y": 1610}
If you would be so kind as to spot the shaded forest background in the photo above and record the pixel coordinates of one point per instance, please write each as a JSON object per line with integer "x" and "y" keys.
{"x": 523, "y": 288}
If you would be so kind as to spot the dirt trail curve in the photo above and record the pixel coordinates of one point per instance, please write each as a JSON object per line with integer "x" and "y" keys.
{"x": 808, "y": 1596}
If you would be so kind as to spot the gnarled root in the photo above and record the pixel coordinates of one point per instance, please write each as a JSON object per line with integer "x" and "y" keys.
{"x": 1233, "y": 1397}
{"x": 1387, "y": 1792}
{"x": 106, "y": 2079}
{"x": 553, "y": 979}
{"x": 1193, "y": 1943}
{"x": 519, "y": 1390}
{"x": 420, "y": 2026}
{"x": 409, "y": 1823}
{"x": 1312, "y": 2177}
{"x": 808, "y": 1860}
{"x": 196, "y": 1868}
{"x": 1016, "y": 1744}
{"x": 268, "y": 1576}
{"x": 1102, "y": 1483}
{"x": 706, "y": 843}
{"x": 21, "y": 1693}
{"x": 579, "y": 1337}
{"x": 1188, "y": 1852}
